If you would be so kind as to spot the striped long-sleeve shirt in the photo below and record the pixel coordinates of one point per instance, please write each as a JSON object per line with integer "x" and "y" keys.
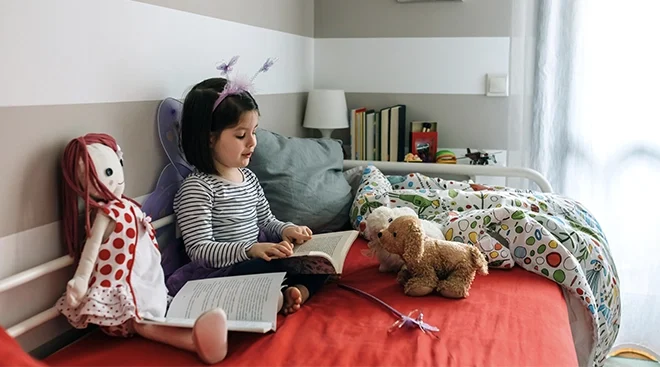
{"x": 220, "y": 220}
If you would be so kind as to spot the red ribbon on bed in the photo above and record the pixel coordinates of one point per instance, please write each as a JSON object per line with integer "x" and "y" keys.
{"x": 415, "y": 318}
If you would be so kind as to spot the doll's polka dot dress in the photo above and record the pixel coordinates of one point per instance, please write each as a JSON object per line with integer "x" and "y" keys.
{"x": 127, "y": 281}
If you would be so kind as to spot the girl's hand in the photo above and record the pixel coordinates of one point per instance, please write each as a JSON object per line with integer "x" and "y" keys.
{"x": 268, "y": 251}
{"x": 297, "y": 234}
{"x": 75, "y": 290}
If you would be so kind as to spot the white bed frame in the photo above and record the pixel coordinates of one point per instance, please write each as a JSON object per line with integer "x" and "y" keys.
{"x": 433, "y": 170}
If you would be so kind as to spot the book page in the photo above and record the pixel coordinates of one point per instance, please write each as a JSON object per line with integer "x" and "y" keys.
{"x": 333, "y": 246}
{"x": 248, "y": 300}
{"x": 246, "y": 326}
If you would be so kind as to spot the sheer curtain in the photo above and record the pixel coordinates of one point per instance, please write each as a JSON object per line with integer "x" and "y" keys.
{"x": 596, "y": 134}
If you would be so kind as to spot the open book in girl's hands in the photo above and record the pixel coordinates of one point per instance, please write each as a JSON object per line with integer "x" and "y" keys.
{"x": 324, "y": 254}
{"x": 250, "y": 302}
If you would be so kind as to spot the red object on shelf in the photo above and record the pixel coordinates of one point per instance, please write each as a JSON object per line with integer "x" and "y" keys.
{"x": 424, "y": 145}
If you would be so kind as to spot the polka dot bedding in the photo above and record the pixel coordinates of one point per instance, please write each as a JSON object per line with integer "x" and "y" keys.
{"x": 547, "y": 234}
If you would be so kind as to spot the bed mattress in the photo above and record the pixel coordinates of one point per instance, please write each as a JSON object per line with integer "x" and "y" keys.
{"x": 512, "y": 317}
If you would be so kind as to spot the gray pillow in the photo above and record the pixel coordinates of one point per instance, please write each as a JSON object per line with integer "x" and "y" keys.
{"x": 303, "y": 180}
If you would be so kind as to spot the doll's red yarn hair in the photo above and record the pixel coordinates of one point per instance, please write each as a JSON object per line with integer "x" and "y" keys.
{"x": 77, "y": 184}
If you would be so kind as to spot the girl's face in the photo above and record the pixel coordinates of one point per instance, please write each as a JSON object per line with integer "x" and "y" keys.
{"x": 235, "y": 145}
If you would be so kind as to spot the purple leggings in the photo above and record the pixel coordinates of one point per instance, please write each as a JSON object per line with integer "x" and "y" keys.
{"x": 312, "y": 282}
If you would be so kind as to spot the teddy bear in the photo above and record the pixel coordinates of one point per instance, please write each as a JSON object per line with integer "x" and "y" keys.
{"x": 378, "y": 220}
{"x": 430, "y": 263}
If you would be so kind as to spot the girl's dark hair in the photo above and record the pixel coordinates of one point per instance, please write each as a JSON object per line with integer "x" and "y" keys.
{"x": 199, "y": 122}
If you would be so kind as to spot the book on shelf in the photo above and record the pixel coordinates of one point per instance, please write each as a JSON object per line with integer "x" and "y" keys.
{"x": 385, "y": 134}
{"x": 370, "y": 135}
{"x": 379, "y": 135}
{"x": 376, "y": 136}
{"x": 356, "y": 126}
{"x": 251, "y": 301}
{"x": 397, "y": 133}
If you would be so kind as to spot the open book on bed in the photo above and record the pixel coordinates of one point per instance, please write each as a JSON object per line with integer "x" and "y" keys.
{"x": 250, "y": 302}
{"x": 324, "y": 254}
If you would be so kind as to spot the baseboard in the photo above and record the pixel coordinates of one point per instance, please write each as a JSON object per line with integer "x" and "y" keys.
{"x": 66, "y": 338}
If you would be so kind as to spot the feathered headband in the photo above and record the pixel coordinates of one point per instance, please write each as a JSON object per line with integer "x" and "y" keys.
{"x": 238, "y": 85}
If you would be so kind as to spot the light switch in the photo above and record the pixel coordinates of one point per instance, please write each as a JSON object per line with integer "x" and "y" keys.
{"x": 497, "y": 85}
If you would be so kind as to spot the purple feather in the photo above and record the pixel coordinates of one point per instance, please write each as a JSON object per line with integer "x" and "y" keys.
{"x": 226, "y": 68}
{"x": 402, "y": 320}
{"x": 267, "y": 65}
{"x": 264, "y": 68}
{"x": 239, "y": 85}
{"x": 235, "y": 86}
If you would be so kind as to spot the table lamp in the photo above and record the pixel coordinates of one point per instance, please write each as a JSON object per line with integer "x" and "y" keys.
{"x": 326, "y": 110}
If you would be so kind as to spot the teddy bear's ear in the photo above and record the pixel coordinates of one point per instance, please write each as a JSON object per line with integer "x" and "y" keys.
{"x": 414, "y": 242}
{"x": 414, "y": 224}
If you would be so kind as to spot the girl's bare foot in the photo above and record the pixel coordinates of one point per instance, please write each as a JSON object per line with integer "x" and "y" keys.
{"x": 294, "y": 297}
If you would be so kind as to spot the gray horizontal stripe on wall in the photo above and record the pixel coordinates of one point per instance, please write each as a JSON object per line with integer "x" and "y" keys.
{"x": 388, "y": 18}
{"x": 290, "y": 16}
{"x": 464, "y": 121}
{"x": 39, "y": 134}
{"x": 283, "y": 113}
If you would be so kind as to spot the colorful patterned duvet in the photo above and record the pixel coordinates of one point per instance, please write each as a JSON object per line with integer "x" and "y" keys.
{"x": 547, "y": 234}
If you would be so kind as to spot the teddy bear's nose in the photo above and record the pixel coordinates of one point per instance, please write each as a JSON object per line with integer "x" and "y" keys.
{"x": 380, "y": 234}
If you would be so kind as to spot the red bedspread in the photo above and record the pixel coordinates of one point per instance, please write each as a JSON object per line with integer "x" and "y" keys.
{"x": 512, "y": 317}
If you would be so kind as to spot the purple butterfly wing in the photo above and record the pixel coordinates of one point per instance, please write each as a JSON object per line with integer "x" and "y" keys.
{"x": 169, "y": 117}
{"x": 160, "y": 201}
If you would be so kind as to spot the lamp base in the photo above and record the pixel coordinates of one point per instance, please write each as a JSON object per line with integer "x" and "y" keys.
{"x": 326, "y": 133}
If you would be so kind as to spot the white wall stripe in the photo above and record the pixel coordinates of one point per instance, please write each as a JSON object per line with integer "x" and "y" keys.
{"x": 453, "y": 65}
{"x": 80, "y": 51}
{"x": 77, "y": 51}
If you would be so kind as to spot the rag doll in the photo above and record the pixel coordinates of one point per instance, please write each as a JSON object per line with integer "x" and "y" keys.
{"x": 119, "y": 279}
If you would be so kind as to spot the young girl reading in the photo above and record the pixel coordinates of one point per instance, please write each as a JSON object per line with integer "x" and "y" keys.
{"x": 220, "y": 207}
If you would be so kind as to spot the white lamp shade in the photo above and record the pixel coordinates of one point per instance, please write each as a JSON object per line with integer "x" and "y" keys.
{"x": 326, "y": 109}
